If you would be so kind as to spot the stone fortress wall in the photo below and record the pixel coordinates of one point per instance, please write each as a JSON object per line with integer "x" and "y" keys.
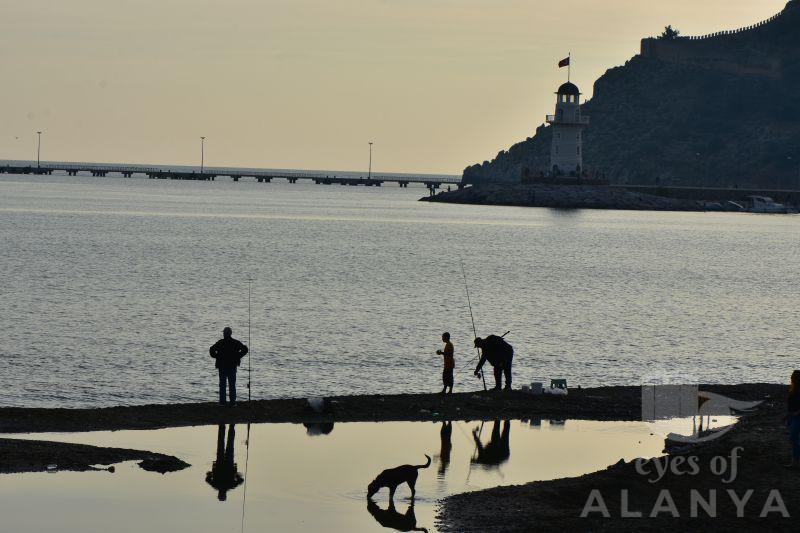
{"x": 741, "y": 51}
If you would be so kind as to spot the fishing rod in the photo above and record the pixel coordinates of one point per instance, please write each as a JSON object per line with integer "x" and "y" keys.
{"x": 475, "y": 453}
{"x": 472, "y": 317}
{"x": 249, "y": 344}
{"x": 246, "y": 464}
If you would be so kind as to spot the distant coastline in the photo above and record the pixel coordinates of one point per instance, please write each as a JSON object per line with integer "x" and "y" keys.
{"x": 585, "y": 196}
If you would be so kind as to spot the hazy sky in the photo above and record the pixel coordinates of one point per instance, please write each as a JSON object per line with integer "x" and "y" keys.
{"x": 436, "y": 84}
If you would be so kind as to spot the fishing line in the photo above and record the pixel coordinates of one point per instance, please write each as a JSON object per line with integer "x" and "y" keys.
{"x": 472, "y": 317}
{"x": 249, "y": 344}
{"x": 458, "y": 425}
{"x": 246, "y": 464}
{"x": 475, "y": 453}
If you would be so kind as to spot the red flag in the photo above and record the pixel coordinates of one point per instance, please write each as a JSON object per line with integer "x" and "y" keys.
{"x": 563, "y": 63}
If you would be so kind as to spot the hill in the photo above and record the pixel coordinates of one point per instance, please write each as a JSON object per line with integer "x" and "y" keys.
{"x": 715, "y": 110}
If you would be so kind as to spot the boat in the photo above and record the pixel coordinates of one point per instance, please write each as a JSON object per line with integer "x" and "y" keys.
{"x": 764, "y": 204}
{"x": 675, "y": 442}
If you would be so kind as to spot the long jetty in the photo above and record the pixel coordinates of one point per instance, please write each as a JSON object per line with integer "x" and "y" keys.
{"x": 262, "y": 176}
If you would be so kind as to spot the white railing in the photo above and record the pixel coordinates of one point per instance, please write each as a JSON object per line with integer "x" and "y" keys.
{"x": 553, "y": 119}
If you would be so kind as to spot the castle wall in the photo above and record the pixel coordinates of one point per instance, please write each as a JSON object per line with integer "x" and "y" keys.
{"x": 739, "y": 52}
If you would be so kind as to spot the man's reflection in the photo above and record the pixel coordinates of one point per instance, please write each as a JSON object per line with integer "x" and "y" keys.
{"x": 445, "y": 435}
{"x": 223, "y": 475}
{"x": 392, "y": 519}
{"x": 497, "y": 450}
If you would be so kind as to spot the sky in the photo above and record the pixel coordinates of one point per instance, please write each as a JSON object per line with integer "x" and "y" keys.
{"x": 437, "y": 85}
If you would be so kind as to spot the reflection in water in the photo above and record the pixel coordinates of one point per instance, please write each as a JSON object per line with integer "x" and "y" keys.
{"x": 445, "y": 436}
{"x": 391, "y": 518}
{"x": 497, "y": 450}
{"x": 223, "y": 475}
{"x": 314, "y": 429}
{"x": 294, "y": 483}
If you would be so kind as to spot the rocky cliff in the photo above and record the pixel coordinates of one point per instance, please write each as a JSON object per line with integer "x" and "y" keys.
{"x": 717, "y": 110}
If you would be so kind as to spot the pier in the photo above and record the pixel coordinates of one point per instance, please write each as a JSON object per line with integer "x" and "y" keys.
{"x": 261, "y": 176}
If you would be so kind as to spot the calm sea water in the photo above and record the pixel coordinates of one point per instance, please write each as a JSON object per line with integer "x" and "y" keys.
{"x": 113, "y": 289}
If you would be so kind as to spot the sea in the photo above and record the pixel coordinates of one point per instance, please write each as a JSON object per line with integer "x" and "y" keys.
{"x": 113, "y": 289}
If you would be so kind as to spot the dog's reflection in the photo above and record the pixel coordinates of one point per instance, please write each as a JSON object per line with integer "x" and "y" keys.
{"x": 223, "y": 475}
{"x": 391, "y": 518}
{"x": 497, "y": 450}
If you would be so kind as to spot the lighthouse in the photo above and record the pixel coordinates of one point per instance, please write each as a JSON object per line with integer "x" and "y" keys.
{"x": 566, "y": 151}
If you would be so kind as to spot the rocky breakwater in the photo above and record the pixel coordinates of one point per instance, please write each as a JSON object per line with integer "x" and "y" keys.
{"x": 564, "y": 197}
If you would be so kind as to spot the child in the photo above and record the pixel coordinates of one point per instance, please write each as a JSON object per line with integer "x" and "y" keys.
{"x": 449, "y": 363}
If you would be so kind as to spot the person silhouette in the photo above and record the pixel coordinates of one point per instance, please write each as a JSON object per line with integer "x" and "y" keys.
{"x": 228, "y": 353}
{"x": 223, "y": 475}
{"x": 449, "y": 363}
{"x": 497, "y": 450}
{"x": 793, "y": 418}
{"x": 392, "y": 519}
{"x": 499, "y": 354}
{"x": 445, "y": 435}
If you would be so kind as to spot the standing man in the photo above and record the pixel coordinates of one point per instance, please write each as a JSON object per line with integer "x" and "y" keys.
{"x": 499, "y": 354}
{"x": 228, "y": 353}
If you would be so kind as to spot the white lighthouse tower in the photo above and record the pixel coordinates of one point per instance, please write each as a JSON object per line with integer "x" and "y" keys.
{"x": 566, "y": 152}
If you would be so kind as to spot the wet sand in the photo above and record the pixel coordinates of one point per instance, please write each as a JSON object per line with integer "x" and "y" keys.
{"x": 605, "y": 403}
{"x": 18, "y": 456}
{"x": 557, "y": 505}
{"x": 601, "y": 403}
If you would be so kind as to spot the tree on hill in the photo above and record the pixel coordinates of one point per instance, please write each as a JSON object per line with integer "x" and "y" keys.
{"x": 669, "y": 33}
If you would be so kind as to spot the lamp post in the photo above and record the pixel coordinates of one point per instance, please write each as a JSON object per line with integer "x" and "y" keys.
{"x": 202, "y": 153}
{"x": 369, "y": 172}
{"x": 38, "y": 149}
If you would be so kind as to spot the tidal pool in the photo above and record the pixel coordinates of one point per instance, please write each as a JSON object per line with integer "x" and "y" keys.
{"x": 293, "y": 477}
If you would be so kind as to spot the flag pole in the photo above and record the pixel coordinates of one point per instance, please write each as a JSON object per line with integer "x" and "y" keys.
{"x": 569, "y": 66}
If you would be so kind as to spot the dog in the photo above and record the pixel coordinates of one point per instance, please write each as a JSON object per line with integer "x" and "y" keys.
{"x": 393, "y": 477}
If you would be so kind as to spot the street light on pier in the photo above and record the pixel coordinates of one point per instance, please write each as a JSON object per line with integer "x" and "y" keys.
{"x": 38, "y": 149}
{"x": 369, "y": 172}
{"x": 202, "y": 153}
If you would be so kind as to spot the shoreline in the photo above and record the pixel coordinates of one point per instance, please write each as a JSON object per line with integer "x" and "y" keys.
{"x": 614, "y": 197}
{"x": 602, "y": 403}
{"x": 621, "y": 403}
{"x": 564, "y": 197}
{"x": 759, "y": 442}
{"x": 556, "y": 503}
